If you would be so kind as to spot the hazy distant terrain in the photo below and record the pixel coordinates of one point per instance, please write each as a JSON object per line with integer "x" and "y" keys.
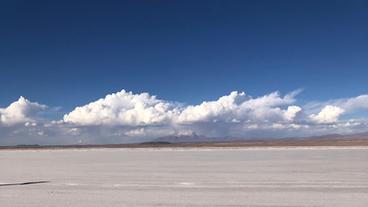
{"x": 199, "y": 141}
{"x": 319, "y": 176}
{"x": 194, "y": 138}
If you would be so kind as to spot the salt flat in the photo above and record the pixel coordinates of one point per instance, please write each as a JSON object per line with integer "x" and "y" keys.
{"x": 185, "y": 177}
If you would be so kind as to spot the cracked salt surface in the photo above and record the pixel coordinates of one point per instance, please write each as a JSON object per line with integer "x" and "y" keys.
{"x": 321, "y": 176}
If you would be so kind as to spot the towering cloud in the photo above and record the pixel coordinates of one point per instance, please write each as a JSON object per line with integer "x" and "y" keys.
{"x": 20, "y": 111}
{"x": 123, "y": 108}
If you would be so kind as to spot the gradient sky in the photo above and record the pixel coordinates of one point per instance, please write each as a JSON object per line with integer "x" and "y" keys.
{"x": 65, "y": 54}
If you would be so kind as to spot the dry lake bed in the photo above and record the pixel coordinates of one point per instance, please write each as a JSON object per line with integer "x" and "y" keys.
{"x": 259, "y": 177}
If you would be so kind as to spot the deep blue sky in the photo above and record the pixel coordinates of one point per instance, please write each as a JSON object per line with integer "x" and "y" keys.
{"x": 68, "y": 53}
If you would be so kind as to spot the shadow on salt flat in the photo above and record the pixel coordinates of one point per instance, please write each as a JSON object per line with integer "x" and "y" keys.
{"x": 24, "y": 183}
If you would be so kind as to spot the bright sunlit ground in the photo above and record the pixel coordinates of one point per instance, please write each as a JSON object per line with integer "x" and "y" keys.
{"x": 185, "y": 177}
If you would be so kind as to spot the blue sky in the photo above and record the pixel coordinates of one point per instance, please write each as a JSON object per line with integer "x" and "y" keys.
{"x": 70, "y": 53}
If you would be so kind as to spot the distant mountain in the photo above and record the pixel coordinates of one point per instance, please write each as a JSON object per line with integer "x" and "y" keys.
{"x": 363, "y": 135}
{"x": 194, "y": 138}
{"x": 339, "y": 136}
{"x": 191, "y": 138}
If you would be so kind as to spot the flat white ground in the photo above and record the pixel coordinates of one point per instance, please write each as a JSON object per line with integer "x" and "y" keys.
{"x": 256, "y": 177}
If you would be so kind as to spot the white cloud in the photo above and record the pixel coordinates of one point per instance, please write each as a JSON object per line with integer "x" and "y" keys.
{"x": 355, "y": 103}
{"x": 292, "y": 112}
{"x": 143, "y": 115}
{"x": 128, "y": 109}
{"x": 20, "y": 111}
{"x": 128, "y": 117}
{"x": 329, "y": 114}
{"x": 352, "y": 104}
{"x": 223, "y": 109}
{"x": 123, "y": 108}
{"x": 237, "y": 107}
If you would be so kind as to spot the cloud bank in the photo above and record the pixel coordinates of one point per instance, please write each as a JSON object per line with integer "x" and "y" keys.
{"x": 128, "y": 109}
{"x": 128, "y": 117}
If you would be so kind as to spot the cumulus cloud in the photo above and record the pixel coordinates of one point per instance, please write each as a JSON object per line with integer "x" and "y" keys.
{"x": 329, "y": 114}
{"x": 223, "y": 108}
{"x": 292, "y": 112}
{"x": 238, "y": 107}
{"x": 123, "y": 108}
{"x": 20, "y": 111}
{"x": 128, "y": 109}
{"x": 349, "y": 105}
{"x": 128, "y": 117}
{"x": 126, "y": 114}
